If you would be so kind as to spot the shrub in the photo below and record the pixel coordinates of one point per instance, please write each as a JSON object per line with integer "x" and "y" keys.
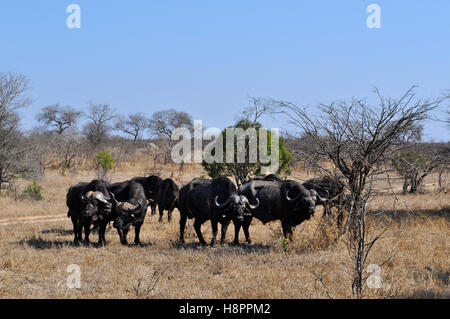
{"x": 105, "y": 163}
{"x": 33, "y": 191}
{"x": 285, "y": 244}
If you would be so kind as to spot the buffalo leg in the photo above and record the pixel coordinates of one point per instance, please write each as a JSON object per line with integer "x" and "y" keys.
{"x": 161, "y": 214}
{"x": 154, "y": 208}
{"x": 87, "y": 231}
{"x": 237, "y": 229}
{"x": 183, "y": 218}
{"x": 101, "y": 234}
{"x": 169, "y": 217}
{"x": 120, "y": 232}
{"x": 223, "y": 232}
{"x": 77, "y": 230}
{"x": 198, "y": 230}
{"x": 246, "y": 226}
{"x": 137, "y": 231}
{"x": 288, "y": 231}
{"x": 123, "y": 236}
{"x": 214, "y": 232}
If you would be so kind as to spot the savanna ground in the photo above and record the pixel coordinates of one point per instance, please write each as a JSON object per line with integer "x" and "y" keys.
{"x": 36, "y": 237}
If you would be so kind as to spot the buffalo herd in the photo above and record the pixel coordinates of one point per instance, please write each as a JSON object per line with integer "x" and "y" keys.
{"x": 94, "y": 205}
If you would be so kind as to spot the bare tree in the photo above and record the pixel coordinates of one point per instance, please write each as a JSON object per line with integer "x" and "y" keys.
{"x": 354, "y": 136}
{"x": 57, "y": 151}
{"x": 258, "y": 108}
{"x": 163, "y": 123}
{"x": 444, "y": 166}
{"x": 97, "y": 129}
{"x": 61, "y": 118}
{"x": 133, "y": 124}
{"x": 13, "y": 147}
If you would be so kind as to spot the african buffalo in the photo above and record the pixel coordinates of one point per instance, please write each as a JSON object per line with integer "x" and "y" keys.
{"x": 327, "y": 188}
{"x": 287, "y": 201}
{"x": 270, "y": 177}
{"x": 163, "y": 193}
{"x": 215, "y": 200}
{"x": 129, "y": 208}
{"x": 89, "y": 204}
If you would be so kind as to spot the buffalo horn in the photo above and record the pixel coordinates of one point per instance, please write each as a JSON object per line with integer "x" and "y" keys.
{"x": 247, "y": 202}
{"x": 225, "y": 204}
{"x": 128, "y": 207}
{"x": 293, "y": 199}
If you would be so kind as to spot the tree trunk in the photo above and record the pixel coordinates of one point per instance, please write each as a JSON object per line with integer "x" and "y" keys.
{"x": 414, "y": 184}
{"x": 405, "y": 185}
{"x": 441, "y": 186}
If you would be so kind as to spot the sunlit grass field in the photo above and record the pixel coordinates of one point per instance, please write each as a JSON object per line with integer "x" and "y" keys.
{"x": 36, "y": 249}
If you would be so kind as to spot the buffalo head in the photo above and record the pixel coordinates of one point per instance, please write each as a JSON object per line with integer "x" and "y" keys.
{"x": 304, "y": 202}
{"x": 95, "y": 206}
{"x": 125, "y": 212}
{"x": 236, "y": 207}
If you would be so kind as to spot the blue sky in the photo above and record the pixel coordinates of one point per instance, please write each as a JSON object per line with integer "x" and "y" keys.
{"x": 209, "y": 57}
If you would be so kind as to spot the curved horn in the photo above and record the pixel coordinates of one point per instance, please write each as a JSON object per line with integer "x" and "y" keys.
{"x": 319, "y": 200}
{"x": 225, "y": 204}
{"x": 101, "y": 197}
{"x": 88, "y": 196}
{"x": 322, "y": 200}
{"x": 293, "y": 199}
{"x": 128, "y": 207}
{"x": 247, "y": 202}
{"x": 113, "y": 198}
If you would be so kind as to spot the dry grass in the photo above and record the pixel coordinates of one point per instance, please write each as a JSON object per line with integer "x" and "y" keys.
{"x": 36, "y": 251}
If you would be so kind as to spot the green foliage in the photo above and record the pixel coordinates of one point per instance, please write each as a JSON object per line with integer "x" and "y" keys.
{"x": 33, "y": 191}
{"x": 285, "y": 244}
{"x": 407, "y": 162}
{"x": 242, "y": 172}
{"x": 105, "y": 161}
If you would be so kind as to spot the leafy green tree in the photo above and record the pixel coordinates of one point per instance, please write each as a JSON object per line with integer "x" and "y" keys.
{"x": 34, "y": 191}
{"x": 242, "y": 172}
{"x": 105, "y": 163}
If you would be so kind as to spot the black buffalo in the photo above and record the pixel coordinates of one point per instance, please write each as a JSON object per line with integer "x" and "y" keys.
{"x": 129, "y": 208}
{"x": 89, "y": 204}
{"x": 328, "y": 188}
{"x": 270, "y": 177}
{"x": 215, "y": 200}
{"x": 287, "y": 201}
{"x": 162, "y": 193}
